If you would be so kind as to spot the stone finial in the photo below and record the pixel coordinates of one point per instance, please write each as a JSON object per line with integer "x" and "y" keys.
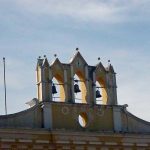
{"x": 55, "y": 55}
{"x": 108, "y": 62}
{"x": 77, "y": 49}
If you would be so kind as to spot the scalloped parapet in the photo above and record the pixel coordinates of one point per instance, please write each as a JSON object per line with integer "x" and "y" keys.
{"x": 88, "y": 76}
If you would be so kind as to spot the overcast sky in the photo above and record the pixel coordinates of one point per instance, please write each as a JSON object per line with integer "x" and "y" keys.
{"x": 118, "y": 30}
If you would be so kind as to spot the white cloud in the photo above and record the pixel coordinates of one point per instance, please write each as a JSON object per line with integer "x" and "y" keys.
{"x": 85, "y": 10}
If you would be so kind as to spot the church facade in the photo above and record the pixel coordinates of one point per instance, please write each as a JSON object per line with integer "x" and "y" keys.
{"x": 76, "y": 108}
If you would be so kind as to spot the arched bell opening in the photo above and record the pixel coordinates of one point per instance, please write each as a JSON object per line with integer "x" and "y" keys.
{"x": 79, "y": 89}
{"x": 101, "y": 94}
{"x": 58, "y": 92}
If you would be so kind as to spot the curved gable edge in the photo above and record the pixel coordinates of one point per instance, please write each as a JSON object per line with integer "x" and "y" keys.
{"x": 29, "y": 118}
{"x": 135, "y": 124}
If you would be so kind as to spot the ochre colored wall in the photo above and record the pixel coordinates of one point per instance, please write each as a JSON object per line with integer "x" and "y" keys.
{"x": 66, "y": 116}
{"x": 30, "y": 118}
{"x": 133, "y": 124}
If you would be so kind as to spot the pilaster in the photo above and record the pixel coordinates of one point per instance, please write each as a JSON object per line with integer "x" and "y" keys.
{"x": 87, "y": 84}
{"x": 47, "y": 116}
{"x": 117, "y": 119}
{"x": 94, "y": 88}
{"x": 65, "y": 85}
{"x": 72, "y": 84}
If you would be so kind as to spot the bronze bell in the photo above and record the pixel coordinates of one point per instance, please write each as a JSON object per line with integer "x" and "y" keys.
{"x": 54, "y": 91}
{"x": 98, "y": 94}
{"x": 76, "y": 88}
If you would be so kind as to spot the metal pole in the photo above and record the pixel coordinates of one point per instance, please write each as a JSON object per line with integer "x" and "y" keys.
{"x": 5, "y": 86}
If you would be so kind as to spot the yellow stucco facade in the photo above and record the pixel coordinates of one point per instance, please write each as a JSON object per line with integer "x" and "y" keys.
{"x": 60, "y": 120}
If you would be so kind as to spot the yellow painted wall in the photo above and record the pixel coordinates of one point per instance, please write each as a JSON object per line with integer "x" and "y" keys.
{"x": 66, "y": 116}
